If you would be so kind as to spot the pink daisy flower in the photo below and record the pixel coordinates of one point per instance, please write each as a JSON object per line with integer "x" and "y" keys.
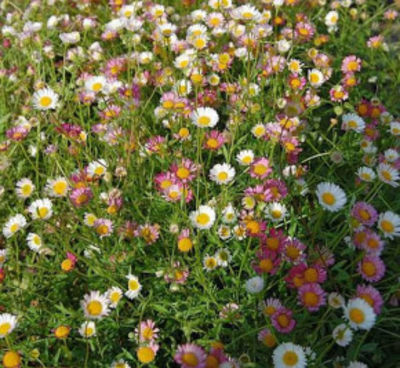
{"x": 260, "y": 168}
{"x": 185, "y": 171}
{"x": 351, "y": 64}
{"x": 364, "y": 213}
{"x": 268, "y": 262}
{"x": 311, "y": 296}
{"x": 266, "y": 337}
{"x": 293, "y": 250}
{"x": 277, "y": 188}
{"x": 147, "y": 331}
{"x": 373, "y": 244}
{"x": 81, "y": 196}
{"x": 283, "y": 321}
{"x": 213, "y": 140}
{"x": 270, "y": 306}
{"x": 371, "y": 268}
{"x": 274, "y": 240}
{"x": 190, "y": 356}
{"x": 371, "y": 295}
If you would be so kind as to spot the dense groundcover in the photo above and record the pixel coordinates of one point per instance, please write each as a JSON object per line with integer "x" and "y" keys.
{"x": 199, "y": 184}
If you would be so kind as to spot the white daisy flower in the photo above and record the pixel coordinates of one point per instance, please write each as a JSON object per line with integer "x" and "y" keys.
{"x": 41, "y": 209}
{"x": 223, "y": 257}
{"x": 389, "y": 224}
{"x": 182, "y": 61}
{"x": 222, "y": 173}
{"x": 145, "y": 57}
{"x": 359, "y": 314}
{"x": 357, "y": 365}
{"x": 70, "y": 38}
{"x": 8, "y": 322}
{"x": 45, "y": 99}
{"x": 258, "y": 130}
{"x": 210, "y": 263}
{"x": 353, "y": 122}
{"x": 3, "y": 256}
{"x": 331, "y": 19}
{"x": 391, "y": 155}
{"x": 35, "y": 242}
{"x": 57, "y": 187}
{"x": 335, "y": 300}
{"x": 134, "y": 287}
{"x": 366, "y": 174}
{"x": 315, "y": 77}
{"x": 87, "y": 329}
{"x": 205, "y": 117}
{"x": 388, "y": 174}
{"x": 95, "y": 305}
{"x": 224, "y": 232}
{"x": 97, "y": 168}
{"x": 289, "y": 355}
{"x": 24, "y": 188}
{"x": 120, "y": 364}
{"x": 295, "y": 66}
{"x": 254, "y": 285}
{"x": 245, "y": 157}
{"x": 246, "y": 13}
{"x": 96, "y": 84}
{"x": 331, "y": 196}
{"x": 183, "y": 87}
{"x": 114, "y": 295}
{"x": 275, "y": 211}
{"x": 89, "y": 219}
{"x": 229, "y": 214}
{"x": 203, "y": 218}
{"x": 342, "y": 334}
{"x": 395, "y": 128}
{"x": 14, "y": 224}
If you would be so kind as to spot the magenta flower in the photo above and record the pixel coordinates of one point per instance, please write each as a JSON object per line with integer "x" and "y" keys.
{"x": 283, "y": 321}
{"x": 364, "y": 213}
{"x": 260, "y": 168}
{"x": 371, "y": 268}
{"x": 371, "y": 295}
{"x": 81, "y": 196}
{"x": 311, "y": 296}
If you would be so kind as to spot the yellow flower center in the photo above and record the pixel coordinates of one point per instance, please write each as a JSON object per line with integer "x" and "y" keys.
{"x": 204, "y": 120}
{"x": 328, "y": 198}
{"x": 292, "y": 252}
{"x": 133, "y": 285}
{"x": 14, "y": 228}
{"x": 290, "y": 358}
{"x": 203, "y": 219}
{"x": 60, "y": 187}
{"x": 310, "y": 299}
{"x": 62, "y": 332}
{"x": 99, "y": 170}
{"x": 269, "y": 340}
{"x": 102, "y": 229}
{"x": 357, "y": 315}
{"x": 96, "y": 87}
{"x": 145, "y": 354}
{"x": 260, "y": 169}
{"x": 283, "y": 320}
{"x": 66, "y": 265}
{"x": 190, "y": 359}
{"x": 115, "y": 297}
{"x": 11, "y": 359}
{"x": 94, "y": 308}
{"x": 5, "y": 328}
{"x": 212, "y": 143}
{"x": 211, "y": 263}
{"x": 311, "y": 275}
{"x": 314, "y": 78}
{"x": 364, "y": 214}
{"x": 266, "y": 265}
{"x": 276, "y": 213}
{"x": 222, "y": 176}
{"x": 182, "y": 173}
{"x": 185, "y": 244}
{"x": 273, "y": 243}
{"x": 369, "y": 268}
{"x": 43, "y": 211}
{"x": 387, "y": 226}
{"x": 45, "y": 101}
{"x": 26, "y": 189}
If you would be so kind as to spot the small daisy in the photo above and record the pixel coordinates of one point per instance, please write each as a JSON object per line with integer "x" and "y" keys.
{"x": 134, "y": 287}
{"x": 114, "y": 295}
{"x": 342, "y": 335}
{"x": 389, "y": 224}
{"x": 359, "y": 314}
{"x": 260, "y": 168}
{"x": 8, "y": 322}
{"x": 190, "y": 356}
{"x": 388, "y": 174}
{"x": 223, "y": 257}
{"x": 312, "y": 296}
{"x": 335, "y": 300}
{"x": 371, "y": 268}
{"x": 45, "y": 99}
{"x": 103, "y": 227}
{"x": 245, "y": 157}
{"x": 203, "y": 218}
{"x": 366, "y": 174}
{"x": 331, "y": 196}
{"x": 97, "y": 168}
{"x": 205, "y": 117}
{"x": 14, "y": 224}
{"x": 41, "y": 209}
{"x": 275, "y": 211}
{"x": 95, "y": 305}
{"x": 3, "y": 256}
{"x": 210, "y": 263}
{"x": 353, "y": 122}
{"x": 95, "y": 84}
{"x": 87, "y": 329}
{"x": 120, "y": 364}
{"x": 89, "y": 219}
{"x": 57, "y": 187}
{"x": 395, "y": 128}
{"x": 315, "y": 77}
{"x": 222, "y": 173}
{"x": 24, "y": 188}
{"x": 147, "y": 331}
{"x": 288, "y": 355}
{"x": 34, "y": 242}
{"x": 254, "y": 285}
